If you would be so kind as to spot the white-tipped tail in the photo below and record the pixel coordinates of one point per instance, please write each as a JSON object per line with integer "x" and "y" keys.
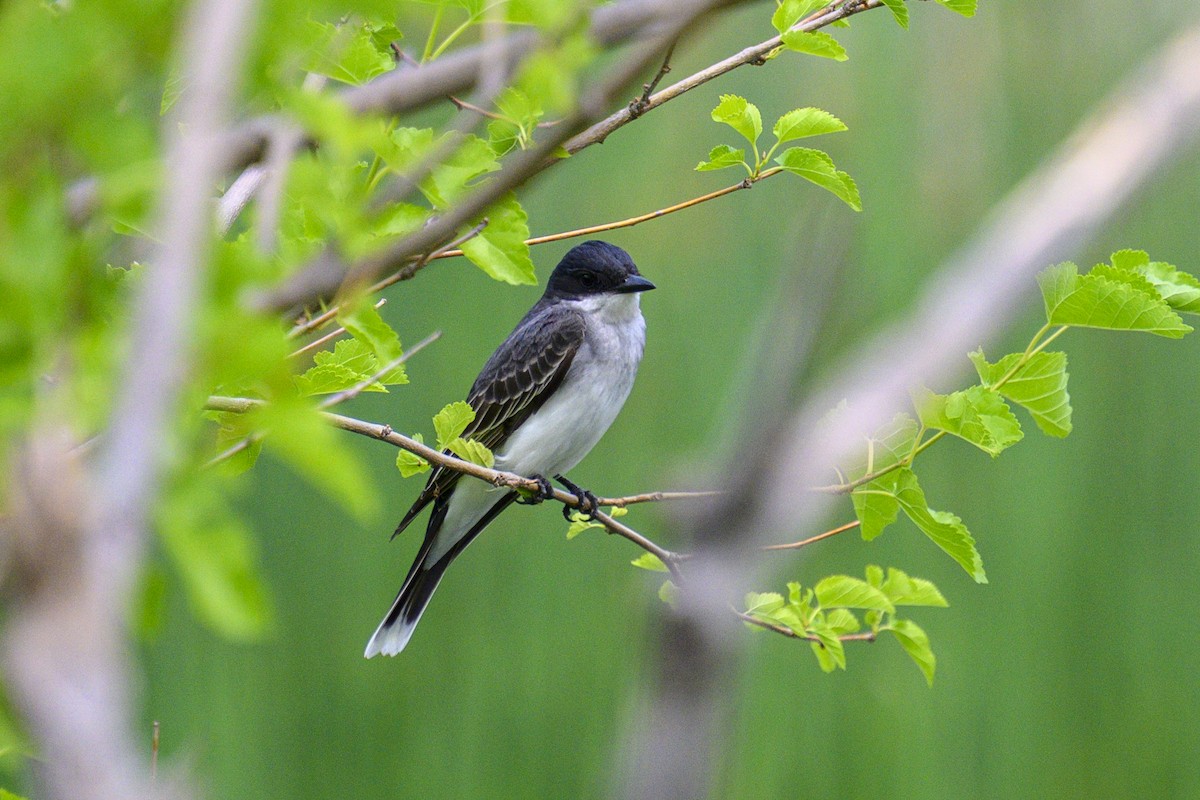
{"x": 397, "y": 627}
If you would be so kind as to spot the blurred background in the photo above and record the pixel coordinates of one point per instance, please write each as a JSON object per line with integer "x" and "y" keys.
{"x": 1072, "y": 674}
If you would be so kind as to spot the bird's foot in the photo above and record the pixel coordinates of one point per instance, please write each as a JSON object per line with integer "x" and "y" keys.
{"x": 588, "y": 505}
{"x": 531, "y": 497}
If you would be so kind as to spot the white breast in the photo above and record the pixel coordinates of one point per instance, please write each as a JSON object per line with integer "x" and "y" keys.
{"x": 569, "y": 424}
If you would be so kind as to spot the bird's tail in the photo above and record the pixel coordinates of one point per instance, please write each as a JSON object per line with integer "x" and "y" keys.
{"x": 397, "y": 627}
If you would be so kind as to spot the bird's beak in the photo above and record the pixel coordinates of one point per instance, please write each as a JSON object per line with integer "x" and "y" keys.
{"x": 635, "y": 283}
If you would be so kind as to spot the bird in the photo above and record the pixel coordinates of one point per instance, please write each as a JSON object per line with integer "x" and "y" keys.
{"x": 542, "y": 402}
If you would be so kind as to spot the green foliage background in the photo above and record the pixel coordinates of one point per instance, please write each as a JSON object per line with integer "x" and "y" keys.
{"x": 1071, "y": 674}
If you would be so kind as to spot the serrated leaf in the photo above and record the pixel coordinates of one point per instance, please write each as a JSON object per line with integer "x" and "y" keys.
{"x": 1180, "y": 290}
{"x": 363, "y": 322}
{"x": 763, "y": 603}
{"x": 453, "y": 177}
{"x": 345, "y": 53}
{"x": 816, "y": 166}
{"x": 977, "y": 415}
{"x": 804, "y": 122}
{"x": 899, "y": 9}
{"x": 349, "y": 363}
{"x": 789, "y": 12}
{"x": 965, "y": 7}
{"x": 1130, "y": 259}
{"x": 651, "y": 562}
{"x": 943, "y": 528}
{"x": 500, "y": 249}
{"x": 451, "y": 421}
{"x": 1039, "y": 386}
{"x": 411, "y": 464}
{"x": 740, "y": 115}
{"x": 916, "y": 643}
{"x": 720, "y": 157}
{"x": 815, "y": 43}
{"x": 843, "y": 591}
{"x": 473, "y": 451}
{"x": 905, "y": 591}
{"x": 842, "y": 621}
{"x": 1112, "y": 299}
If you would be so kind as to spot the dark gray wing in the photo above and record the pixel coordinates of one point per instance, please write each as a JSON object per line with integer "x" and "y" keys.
{"x": 515, "y": 382}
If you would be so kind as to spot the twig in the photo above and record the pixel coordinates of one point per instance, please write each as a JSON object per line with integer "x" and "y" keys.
{"x": 315, "y": 343}
{"x": 868, "y": 636}
{"x": 233, "y": 450}
{"x": 154, "y": 752}
{"x": 242, "y": 405}
{"x": 640, "y": 104}
{"x": 652, "y": 497}
{"x": 362, "y": 386}
{"x": 812, "y": 539}
{"x": 412, "y": 269}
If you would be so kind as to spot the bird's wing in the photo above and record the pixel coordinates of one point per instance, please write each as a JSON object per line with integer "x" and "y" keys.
{"x": 518, "y": 378}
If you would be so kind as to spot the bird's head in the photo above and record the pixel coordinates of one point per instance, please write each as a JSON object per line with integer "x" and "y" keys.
{"x": 595, "y": 268}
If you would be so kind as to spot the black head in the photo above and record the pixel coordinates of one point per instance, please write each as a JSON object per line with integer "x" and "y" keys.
{"x": 595, "y": 268}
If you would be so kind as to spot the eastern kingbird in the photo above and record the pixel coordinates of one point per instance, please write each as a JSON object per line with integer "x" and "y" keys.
{"x": 542, "y": 401}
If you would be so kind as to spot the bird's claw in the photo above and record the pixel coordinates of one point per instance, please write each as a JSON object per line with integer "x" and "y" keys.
{"x": 543, "y": 493}
{"x": 588, "y": 505}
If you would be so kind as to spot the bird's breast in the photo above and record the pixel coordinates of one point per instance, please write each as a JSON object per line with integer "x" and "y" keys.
{"x": 570, "y": 423}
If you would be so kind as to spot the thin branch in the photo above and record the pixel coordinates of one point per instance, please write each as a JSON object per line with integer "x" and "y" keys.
{"x": 509, "y": 480}
{"x": 653, "y": 497}
{"x": 315, "y": 343}
{"x": 640, "y": 104}
{"x": 813, "y": 539}
{"x": 751, "y": 55}
{"x": 442, "y": 252}
{"x": 868, "y": 636}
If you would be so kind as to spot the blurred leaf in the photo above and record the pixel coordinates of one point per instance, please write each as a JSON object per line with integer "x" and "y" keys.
{"x": 817, "y": 166}
{"x": 899, "y": 9}
{"x": 350, "y": 53}
{"x": 215, "y": 555}
{"x": 1110, "y": 298}
{"x": 451, "y": 179}
{"x": 172, "y": 91}
{"x": 451, "y": 421}
{"x": 816, "y": 43}
{"x": 411, "y": 464}
{"x": 803, "y": 122}
{"x": 720, "y": 157}
{"x": 400, "y": 219}
{"x": 150, "y": 602}
{"x": 842, "y": 621}
{"x": 916, "y": 643}
{"x": 740, "y": 115}
{"x": 669, "y": 594}
{"x": 651, "y": 562}
{"x": 500, "y": 249}
{"x": 977, "y": 415}
{"x": 843, "y": 591}
{"x": 1040, "y": 387}
{"x": 967, "y": 9}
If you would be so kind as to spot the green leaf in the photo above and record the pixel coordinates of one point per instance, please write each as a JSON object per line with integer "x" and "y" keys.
{"x": 829, "y": 650}
{"x": 451, "y": 179}
{"x": 650, "y": 562}
{"x": 789, "y": 12}
{"x": 669, "y": 594}
{"x": 399, "y": 219}
{"x": 172, "y": 90}
{"x": 347, "y": 53}
{"x": 473, "y": 451}
{"x": 899, "y": 9}
{"x": 1111, "y": 299}
{"x": 740, "y": 115}
{"x": 964, "y": 7}
{"x": 720, "y": 157}
{"x": 7, "y": 795}
{"x": 842, "y": 621}
{"x": 916, "y": 643}
{"x": 215, "y": 556}
{"x": 905, "y": 591}
{"x": 1039, "y": 386}
{"x": 843, "y": 591}
{"x": 500, "y": 249}
{"x": 349, "y": 363}
{"x": 815, "y": 43}
{"x": 945, "y": 529}
{"x": 411, "y": 464}
{"x": 763, "y": 603}
{"x": 977, "y": 415}
{"x": 363, "y": 322}
{"x": 875, "y": 505}
{"x": 803, "y": 122}
{"x": 1180, "y": 290}
{"x": 817, "y": 166}
{"x": 451, "y": 421}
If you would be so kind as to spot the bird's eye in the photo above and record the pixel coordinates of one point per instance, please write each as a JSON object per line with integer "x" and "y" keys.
{"x": 587, "y": 279}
